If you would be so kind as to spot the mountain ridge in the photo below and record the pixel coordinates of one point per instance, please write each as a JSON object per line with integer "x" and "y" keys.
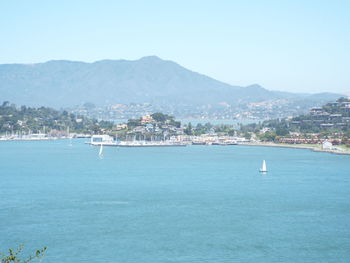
{"x": 65, "y": 83}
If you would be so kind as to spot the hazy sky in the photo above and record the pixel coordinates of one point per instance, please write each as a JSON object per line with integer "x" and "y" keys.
{"x": 296, "y": 45}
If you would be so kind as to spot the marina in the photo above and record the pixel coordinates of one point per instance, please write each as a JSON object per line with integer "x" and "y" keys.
{"x": 27, "y": 137}
{"x": 175, "y": 141}
{"x": 40, "y": 136}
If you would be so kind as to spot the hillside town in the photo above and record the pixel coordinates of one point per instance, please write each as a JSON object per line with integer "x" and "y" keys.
{"x": 327, "y": 126}
{"x": 261, "y": 110}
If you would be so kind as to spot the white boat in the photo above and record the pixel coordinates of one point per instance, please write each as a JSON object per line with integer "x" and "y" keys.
{"x": 263, "y": 168}
{"x": 100, "y": 154}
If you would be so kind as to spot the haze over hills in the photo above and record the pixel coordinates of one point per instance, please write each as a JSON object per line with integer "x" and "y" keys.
{"x": 63, "y": 83}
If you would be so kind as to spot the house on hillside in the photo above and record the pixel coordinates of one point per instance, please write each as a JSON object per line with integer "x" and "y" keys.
{"x": 146, "y": 119}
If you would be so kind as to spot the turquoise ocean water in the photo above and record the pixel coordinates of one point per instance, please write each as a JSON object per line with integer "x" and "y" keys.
{"x": 185, "y": 204}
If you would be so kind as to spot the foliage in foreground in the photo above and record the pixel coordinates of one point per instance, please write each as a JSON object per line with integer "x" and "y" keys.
{"x": 14, "y": 255}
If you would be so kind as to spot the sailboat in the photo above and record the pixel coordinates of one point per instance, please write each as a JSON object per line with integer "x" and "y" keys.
{"x": 100, "y": 154}
{"x": 263, "y": 168}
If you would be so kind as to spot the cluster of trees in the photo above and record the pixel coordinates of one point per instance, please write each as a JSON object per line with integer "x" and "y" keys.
{"x": 161, "y": 128}
{"x": 279, "y": 127}
{"x": 34, "y": 120}
{"x": 159, "y": 119}
{"x": 199, "y": 129}
{"x": 165, "y": 119}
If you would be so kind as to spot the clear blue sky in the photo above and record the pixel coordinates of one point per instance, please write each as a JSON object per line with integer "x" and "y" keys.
{"x": 296, "y": 45}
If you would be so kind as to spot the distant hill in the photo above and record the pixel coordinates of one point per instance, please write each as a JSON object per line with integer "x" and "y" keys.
{"x": 149, "y": 79}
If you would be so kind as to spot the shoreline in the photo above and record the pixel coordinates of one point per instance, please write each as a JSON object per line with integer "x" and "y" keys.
{"x": 314, "y": 148}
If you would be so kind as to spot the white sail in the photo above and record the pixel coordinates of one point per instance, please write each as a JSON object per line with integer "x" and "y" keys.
{"x": 263, "y": 168}
{"x": 100, "y": 154}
